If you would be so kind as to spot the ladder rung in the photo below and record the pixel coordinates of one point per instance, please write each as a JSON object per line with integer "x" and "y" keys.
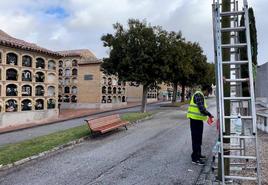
{"x": 233, "y": 29}
{"x": 232, "y": 13}
{"x": 241, "y": 178}
{"x": 239, "y": 45}
{"x": 235, "y": 117}
{"x": 237, "y": 80}
{"x": 239, "y": 157}
{"x": 240, "y": 137}
{"x": 238, "y": 148}
{"x": 235, "y": 62}
{"x": 237, "y": 98}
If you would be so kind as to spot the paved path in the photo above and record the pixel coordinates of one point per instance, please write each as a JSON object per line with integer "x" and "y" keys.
{"x": 156, "y": 151}
{"x": 29, "y": 133}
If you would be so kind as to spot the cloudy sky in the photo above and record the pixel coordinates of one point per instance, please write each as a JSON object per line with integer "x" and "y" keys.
{"x": 77, "y": 24}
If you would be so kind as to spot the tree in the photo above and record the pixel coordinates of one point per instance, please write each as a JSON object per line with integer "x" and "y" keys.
{"x": 173, "y": 59}
{"x": 243, "y": 51}
{"x": 135, "y": 54}
{"x": 194, "y": 67}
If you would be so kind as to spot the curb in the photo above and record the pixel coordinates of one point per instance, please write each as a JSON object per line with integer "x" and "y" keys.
{"x": 81, "y": 116}
{"x": 57, "y": 148}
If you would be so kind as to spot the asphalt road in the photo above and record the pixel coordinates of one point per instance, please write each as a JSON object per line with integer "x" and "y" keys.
{"x": 153, "y": 152}
{"x": 25, "y": 134}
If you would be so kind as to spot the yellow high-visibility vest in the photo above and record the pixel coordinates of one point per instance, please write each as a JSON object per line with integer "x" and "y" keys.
{"x": 193, "y": 110}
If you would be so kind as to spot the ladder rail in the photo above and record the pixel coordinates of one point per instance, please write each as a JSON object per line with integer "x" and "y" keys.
{"x": 220, "y": 82}
{"x": 253, "y": 108}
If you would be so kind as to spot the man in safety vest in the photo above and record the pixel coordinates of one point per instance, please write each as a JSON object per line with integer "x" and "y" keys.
{"x": 197, "y": 112}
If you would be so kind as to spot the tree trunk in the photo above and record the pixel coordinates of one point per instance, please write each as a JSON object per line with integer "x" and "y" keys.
{"x": 182, "y": 93}
{"x": 175, "y": 89}
{"x": 144, "y": 98}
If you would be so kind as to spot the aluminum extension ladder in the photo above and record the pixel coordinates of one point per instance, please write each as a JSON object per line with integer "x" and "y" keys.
{"x": 244, "y": 156}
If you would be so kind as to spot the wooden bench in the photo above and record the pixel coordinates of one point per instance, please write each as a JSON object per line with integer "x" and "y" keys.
{"x": 106, "y": 124}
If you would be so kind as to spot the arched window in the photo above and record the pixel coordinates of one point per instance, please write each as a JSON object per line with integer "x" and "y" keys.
{"x": 39, "y": 77}
{"x": 11, "y": 90}
{"x": 103, "y": 100}
{"x": 67, "y": 81}
{"x": 66, "y": 89}
{"x": 123, "y": 90}
{"x": 26, "y": 105}
{"x": 26, "y": 90}
{"x": 104, "y": 80}
{"x": 11, "y": 106}
{"x": 119, "y": 99}
{"x": 60, "y": 63}
{"x": 74, "y": 90}
{"x": 26, "y": 76}
{"x": 51, "y": 65}
{"x": 73, "y": 99}
{"x": 68, "y": 63}
{"x": 51, "y": 91}
{"x": 109, "y": 81}
{"x": 114, "y": 90}
{"x": 12, "y": 59}
{"x": 74, "y": 72}
{"x": 1, "y": 106}
{"x": 39, "y": 104}
{"x": 51, "y": 104}
{"x": 66, "y": 99}
{"x": 119, "y": 90}
{"x": 51, "y": 78}
{"x": 39, "y": 90}
{"x": 123, "y": 99}
{"x": 27, "y": 61}
{"x": 74, "y": 80}
{"x": 119, "y": 83}
{"x": 67, "y": 72}
{"x": 60, "y": 98}
{"x": 12, "y": 74}
{"x": 103, "y": 90}
{"x": 0, "y": 74}
{"x": 109, "y": 90}
{"x": 0, "y": 59}
{"x": 74, "y": 63}
{"x": 60, "y": 72}
{"x": 114, "y": 99}
{"x": 109, "y": 99}
{"x": 40, "y": 63}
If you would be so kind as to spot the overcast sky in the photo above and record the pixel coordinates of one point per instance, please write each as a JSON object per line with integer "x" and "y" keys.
{"x": 78, "y": 24}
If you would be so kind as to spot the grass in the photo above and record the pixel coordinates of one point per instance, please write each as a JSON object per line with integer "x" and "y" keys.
{"x": 15, "y": 152}
{"x": 176, "y": 104}
{"x": 135, "y": 116}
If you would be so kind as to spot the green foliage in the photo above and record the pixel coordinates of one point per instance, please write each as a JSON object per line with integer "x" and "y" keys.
{"x": 254, "y": 49}
{"x": 14, "y": 152}
{"x": 135, "y": 53}
{"x": 134, "y": 116}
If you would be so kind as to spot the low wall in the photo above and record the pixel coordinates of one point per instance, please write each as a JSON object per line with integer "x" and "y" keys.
{"x": 8, "y": 119}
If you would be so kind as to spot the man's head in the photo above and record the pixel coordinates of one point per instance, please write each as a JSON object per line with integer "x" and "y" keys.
{"x": 206, "y": 89}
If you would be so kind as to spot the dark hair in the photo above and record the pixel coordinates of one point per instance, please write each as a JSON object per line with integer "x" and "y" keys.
{"x": 207, "y": 87}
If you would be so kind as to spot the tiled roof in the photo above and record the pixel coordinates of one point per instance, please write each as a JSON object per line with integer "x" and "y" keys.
{"x": 87, "y": 57}
{"x": 7, "y": 40}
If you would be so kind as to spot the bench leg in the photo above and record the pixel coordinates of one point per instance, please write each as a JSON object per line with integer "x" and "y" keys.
{"x": 126, "y": 127}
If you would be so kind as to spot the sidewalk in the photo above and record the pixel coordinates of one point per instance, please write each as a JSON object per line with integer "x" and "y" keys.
{"x": 67, "y": 114}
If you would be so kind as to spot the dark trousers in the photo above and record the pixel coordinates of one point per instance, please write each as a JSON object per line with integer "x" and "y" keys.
{"x": 196, "y": 133}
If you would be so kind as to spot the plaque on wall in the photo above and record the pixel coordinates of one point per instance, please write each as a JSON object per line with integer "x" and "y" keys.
{"x": 88, "y": 77}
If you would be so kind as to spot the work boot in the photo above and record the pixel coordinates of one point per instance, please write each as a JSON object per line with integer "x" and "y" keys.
{"x": 198, "y": 162}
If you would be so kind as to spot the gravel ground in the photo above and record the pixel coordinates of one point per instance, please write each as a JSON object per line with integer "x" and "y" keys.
{"x": 263, "y": 143}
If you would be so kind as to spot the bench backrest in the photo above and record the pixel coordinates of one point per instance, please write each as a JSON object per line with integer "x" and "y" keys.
{"x": 98, "y": 122}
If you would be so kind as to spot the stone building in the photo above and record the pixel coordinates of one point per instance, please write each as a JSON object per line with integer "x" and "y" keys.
{"x": 28, "y": 86}
{"x": 83, "y": 85}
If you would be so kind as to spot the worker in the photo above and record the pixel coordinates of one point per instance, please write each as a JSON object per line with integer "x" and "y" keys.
{"x": 197, "y": 112}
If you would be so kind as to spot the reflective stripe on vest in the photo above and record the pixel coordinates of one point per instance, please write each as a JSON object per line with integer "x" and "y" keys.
{"x": 193, "y": 110}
